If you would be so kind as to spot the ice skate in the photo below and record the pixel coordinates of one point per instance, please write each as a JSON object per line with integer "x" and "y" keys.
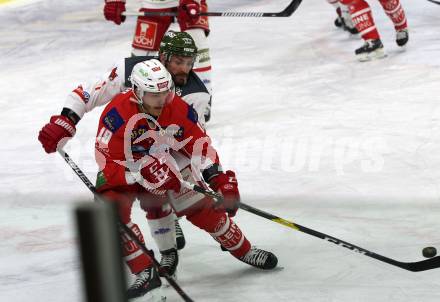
{"x": 168, "y": 263}
{"x": 260, "y": 259}
{"x": 146, "y": 287}
{"x": 402, "y": 37}
{"x": 372, "y": 49}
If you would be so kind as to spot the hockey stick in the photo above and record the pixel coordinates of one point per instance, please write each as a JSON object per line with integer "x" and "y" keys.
{"x": 433, "y": 1}
{"x": 287, "y": 12}
{"x": 410, "y": 266}
{"x": 418, "y": 266}
{"x": 92, "y": 188}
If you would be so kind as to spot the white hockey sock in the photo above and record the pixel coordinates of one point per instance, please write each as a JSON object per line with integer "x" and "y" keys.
{"x": 163, "y": 231}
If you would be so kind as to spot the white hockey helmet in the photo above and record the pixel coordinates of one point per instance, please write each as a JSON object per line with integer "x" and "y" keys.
{"x": 150, "y": 76}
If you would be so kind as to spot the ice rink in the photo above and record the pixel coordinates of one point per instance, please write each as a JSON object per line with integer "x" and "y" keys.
{"x": 349, "y": 149}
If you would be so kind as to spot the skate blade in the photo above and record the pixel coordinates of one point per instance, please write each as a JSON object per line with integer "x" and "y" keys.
{"x": 375, "y": 55}
{"x": 155, "y": 295}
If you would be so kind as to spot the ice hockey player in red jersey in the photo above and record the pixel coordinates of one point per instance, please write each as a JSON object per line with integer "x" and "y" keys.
{"x": 148, "y": 141}
{"x": 150, "y": 29}
{"x": 363, "y": 20}
{"x": 177, "y": 52}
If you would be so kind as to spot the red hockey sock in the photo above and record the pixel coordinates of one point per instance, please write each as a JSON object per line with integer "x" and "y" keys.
{"x": 363, "y": 20}
{"x": 135, "y": 258}
{"x": 221, "y": 228}
{"x": 395, "y": 12}
{"x": 230, "y": 237}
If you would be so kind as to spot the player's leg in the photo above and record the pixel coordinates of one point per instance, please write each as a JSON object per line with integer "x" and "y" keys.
{"x": 147, "y": 282}
{"x": 348, "y": 22}
{"x": 362, "y": 17}
{"x": 161, "y": 221}
{"x": 339, "y": 21}
{"x": 394, "y": 10}
{"x": 225, "y": 231}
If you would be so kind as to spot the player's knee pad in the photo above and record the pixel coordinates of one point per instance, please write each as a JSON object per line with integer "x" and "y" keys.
{"x": 150, "y": 30}
{"x": 201, "y": 22}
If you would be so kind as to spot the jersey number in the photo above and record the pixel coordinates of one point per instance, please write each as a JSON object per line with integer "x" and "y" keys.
{"x": 104, "y": 136}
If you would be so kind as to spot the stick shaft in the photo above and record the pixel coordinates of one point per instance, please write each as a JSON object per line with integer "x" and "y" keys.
{"x": 410, "y": 266}
{"x": 287, "y": 12}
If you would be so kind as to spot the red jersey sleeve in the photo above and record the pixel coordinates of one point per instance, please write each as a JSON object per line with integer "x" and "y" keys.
{"x": 109, "y": 146}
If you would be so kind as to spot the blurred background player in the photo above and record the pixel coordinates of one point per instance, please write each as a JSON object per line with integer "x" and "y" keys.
{"x": 343, "y": 19}
{"x": 363, "y": 20}
{"x": 150, "y": 30}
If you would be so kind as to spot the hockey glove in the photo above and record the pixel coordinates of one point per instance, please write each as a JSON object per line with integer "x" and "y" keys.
{"x": 157, "y": 175}
{"x": 113, "y": 10}
{"x": 226, "y": 184}
{"x": 58, "y": 128}
{"x": 187, "y": 10}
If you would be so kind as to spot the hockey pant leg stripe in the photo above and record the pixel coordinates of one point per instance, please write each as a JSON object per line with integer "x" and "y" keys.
{"x": 368, "y": 30}
{"x": 361, "y": 12}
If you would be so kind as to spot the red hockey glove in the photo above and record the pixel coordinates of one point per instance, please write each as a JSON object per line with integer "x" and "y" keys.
{"x": 226, "y": 184}
{"x": 52, "y": 133}
{"x": 187, "y": 10}
{"x": 113, "y": 10}
{"x": 157, "y": 172}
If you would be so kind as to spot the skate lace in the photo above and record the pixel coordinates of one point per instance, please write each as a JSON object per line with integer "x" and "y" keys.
{"x": 179, "y": 232}
{"x": 141, "y": 279}
{"x": 168, "y": 260}
{"x": 256, "y": 257}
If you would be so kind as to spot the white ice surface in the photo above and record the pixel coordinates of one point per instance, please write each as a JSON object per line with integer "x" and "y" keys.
{"x": 347, "y": 148}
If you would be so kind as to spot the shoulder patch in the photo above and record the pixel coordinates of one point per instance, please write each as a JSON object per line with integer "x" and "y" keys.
{"x": 192, "y": 114}
{"x": 100, "y": 180}
{"x": 113, "y": 120}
